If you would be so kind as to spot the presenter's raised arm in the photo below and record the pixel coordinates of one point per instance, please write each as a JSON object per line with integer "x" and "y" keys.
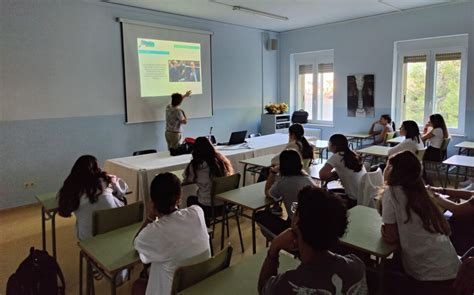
{"x": 187, "y": 94}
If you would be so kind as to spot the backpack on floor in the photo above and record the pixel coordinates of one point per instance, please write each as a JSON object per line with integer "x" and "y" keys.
{"x": 38, "y": 274}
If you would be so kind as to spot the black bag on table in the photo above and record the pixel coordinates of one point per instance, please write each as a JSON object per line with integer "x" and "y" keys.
{"x": 38, "y": 274}
{"x": 300, "y": 116}
{"x": 185, "y": 148}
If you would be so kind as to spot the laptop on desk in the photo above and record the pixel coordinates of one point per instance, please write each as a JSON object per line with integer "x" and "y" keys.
{"x": 236, "y": 138}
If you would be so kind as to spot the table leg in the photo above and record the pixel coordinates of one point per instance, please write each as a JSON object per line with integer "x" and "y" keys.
{"x": 80, "y": 272}
{"x": 113, "y": 287}
{"x": 245, "y": 174}
{"x": 223, "y": 226}
{"x": 381, "y": 276}
{"x": 53, "y": 231}
{"x": 43, "y": 227}
{"x": 254, "y": 242}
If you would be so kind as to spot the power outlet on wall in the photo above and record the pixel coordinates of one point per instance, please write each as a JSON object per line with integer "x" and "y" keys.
{"x": 29, "y": 184}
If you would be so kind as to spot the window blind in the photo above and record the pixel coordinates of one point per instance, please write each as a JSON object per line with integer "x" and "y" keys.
{"x": 325, "y": 68}
{"x": 305, "y": 69}
{"x": 448, "y": 56}
{"x": 414, "y": 58}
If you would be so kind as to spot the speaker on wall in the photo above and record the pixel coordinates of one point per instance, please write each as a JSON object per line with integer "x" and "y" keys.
{"x": 272, "y": 44}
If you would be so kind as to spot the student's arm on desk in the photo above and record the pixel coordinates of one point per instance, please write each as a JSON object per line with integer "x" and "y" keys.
{"x": 465, "y": 208}
{"x": 284, "y": 241}
{"x": 390, "y": 233}
{"x": 270, "y": 181}
{"x": 326, "y": 173}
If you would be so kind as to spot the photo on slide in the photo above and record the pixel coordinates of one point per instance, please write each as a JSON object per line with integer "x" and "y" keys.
{"x": 184, "y": 70}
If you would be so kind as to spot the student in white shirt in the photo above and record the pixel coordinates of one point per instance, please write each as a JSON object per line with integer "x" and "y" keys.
{"x": 170, "y": 237}
{"x": 87, "y": 189}
{"x": 206, "y": 164}
{"x": 297, "y": 142}
{"x": 435, "y": 137}
{"x": 411, "y": 218}
{"x": 381, "y": 127}
{"x": 412, "y": 142}
{"x": 347, "y": 165}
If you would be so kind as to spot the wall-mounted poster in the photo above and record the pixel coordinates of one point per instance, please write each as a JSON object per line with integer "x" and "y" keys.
{"x": 360, "y": 96}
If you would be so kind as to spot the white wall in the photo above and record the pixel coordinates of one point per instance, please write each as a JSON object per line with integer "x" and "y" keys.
{"x": 366, "y": 46}
{"x": 62, "y": 93}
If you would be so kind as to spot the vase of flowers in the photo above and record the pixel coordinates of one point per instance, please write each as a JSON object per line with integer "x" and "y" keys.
{"x": 276, "y": 108}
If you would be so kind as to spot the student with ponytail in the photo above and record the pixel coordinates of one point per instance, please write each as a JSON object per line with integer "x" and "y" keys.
{"x": 347, "y": 165}
{"x": 381, "y": 127}
{"x": 297, "y": 142}
{"x": 412, "y": 220}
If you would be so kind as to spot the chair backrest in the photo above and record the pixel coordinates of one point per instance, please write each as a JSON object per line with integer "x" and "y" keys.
{"x": 225, "y": 183}
{"x": 144, "y": 152}
{"x": 109, "y": 219}
{"x": 369, "y": 186}
{"x": 420, "y": 154}
{"x": 444, "y": 148}
{"x": 186, "y": 276}
{"x": 388, "y": 136}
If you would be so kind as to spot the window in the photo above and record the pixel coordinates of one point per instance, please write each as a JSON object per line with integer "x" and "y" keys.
{"x": 431, "y": 78}
{"x": 314, "y": 85}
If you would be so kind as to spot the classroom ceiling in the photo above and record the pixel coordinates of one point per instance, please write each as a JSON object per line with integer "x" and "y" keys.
{"x": 300, "y": 13}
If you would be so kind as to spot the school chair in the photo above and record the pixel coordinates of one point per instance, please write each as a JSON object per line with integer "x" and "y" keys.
{"x": 388, "y": 136}
{"x": 186, "y": 276}
{"x": 222, "y": 185}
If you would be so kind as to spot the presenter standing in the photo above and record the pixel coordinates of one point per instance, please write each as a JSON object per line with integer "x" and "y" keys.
{"x": 175, "y": 117}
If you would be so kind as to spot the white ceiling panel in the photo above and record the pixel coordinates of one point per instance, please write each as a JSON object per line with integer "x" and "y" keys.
{"x": 300, "y": 13}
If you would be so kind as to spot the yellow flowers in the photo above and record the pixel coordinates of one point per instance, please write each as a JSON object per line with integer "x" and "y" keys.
{"x": 276, "y": 108}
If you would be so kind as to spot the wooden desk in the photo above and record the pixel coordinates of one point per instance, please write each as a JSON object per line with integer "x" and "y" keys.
{"x": 375, "y": 150}
{"x": 241, "y": 278}
{"x": 250, "y": 197}
{"x": 358, "y": 138}
{"x": 459, "y": 161}
{"x": 110, "y": 253}
{"x": 396, "y": 140}
{"x": 49, "y": 208}
{"x": 465, "y": 146}
{"x": 256, "y": 164}
{"x": 363, "y": 234}
{"x": 320, "y": 146}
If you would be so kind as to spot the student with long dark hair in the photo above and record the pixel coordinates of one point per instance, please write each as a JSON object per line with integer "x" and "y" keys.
{"x": 347, "y": 165}
{"x": 435, "y": 137}
{"x": 169, "y": 237}
{"x": 206, "y": 164}
{"x": 381, "y": 127}
{"x": 411, "y": 218}
{"x": 412, "y": 142}
{"x": 87, "y": 189}
{"x": 299, "y": 143}
{"x": 286, "y": 187}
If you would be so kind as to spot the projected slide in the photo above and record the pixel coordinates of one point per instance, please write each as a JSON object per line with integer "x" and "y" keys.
{"x": 168, "y": 66}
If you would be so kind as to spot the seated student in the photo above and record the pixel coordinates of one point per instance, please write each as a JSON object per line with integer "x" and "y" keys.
{"x": 347, "y": 165}
{"x": 206, "y": 164}
{"x": 381, "y": 127}
{"x": 320, "y": 220}
{"x": 411, "y": 218}
{"x": 462, "y": 221}
{"x": 298, "y": 142}
{"x": 435, "y": 132}
{"x": 412, "y": 142}
{"x": 286, "y": 187}
{"x": 170, "y": 237}
{"x": 87, "y": 189}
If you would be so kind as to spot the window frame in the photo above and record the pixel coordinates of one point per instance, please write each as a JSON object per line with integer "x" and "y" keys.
{"x": 314, "y": 58}
{"x": 430, "y": 47}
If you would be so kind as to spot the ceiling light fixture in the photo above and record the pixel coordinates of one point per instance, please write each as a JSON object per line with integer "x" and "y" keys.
{"x": 258, "y": 12}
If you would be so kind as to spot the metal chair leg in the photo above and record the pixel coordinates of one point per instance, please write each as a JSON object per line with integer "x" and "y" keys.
{"x": 240, "y": 232}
